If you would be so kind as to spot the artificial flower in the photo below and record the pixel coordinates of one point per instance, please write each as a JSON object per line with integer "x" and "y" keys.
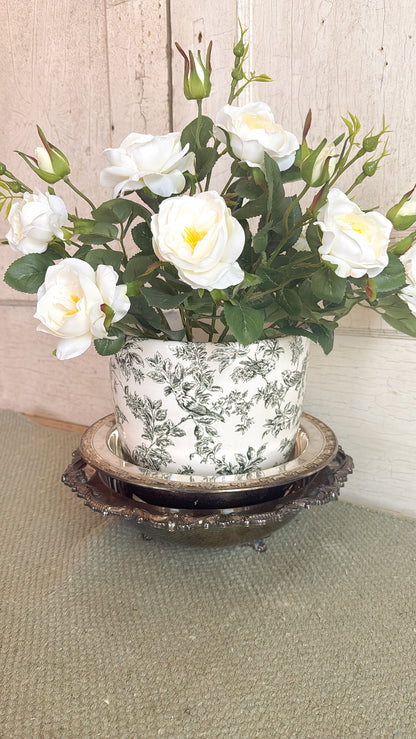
{"x": 142, "y": 160}
{"x": 252, "y": 131}
{"x": 408, "y": 293}
{"x": 201, "y": 238}
{"x": 354, "y": 241}
{"x": 72, "y": 304}
{"x": 34, "y": 220}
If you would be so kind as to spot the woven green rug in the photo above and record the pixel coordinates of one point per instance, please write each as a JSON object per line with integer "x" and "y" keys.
{"x": 104, "y": 634}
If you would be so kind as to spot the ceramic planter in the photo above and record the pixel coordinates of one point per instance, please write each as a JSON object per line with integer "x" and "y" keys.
{"x": 207, "y": 408}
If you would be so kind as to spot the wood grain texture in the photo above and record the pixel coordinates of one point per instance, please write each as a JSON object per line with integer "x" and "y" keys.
{"x": 34, "y": 381}
{"x": 194, "y": 25}
{"x": 89, "y": 73}
{"x": 54, "y": 73}
{"x": 137, "y": 67}
{"x": 335, "y": 57}
{"x": 365, "y": 391}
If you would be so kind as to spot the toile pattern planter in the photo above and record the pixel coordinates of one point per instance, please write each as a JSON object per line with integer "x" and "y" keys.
{"x": 206, "y": 408}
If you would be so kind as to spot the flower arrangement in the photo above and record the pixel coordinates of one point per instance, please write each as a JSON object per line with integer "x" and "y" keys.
{"x": 248, "y": 262}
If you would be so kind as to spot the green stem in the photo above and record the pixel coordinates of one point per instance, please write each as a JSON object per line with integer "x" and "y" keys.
{"x": 81, "y": 194}
{"x": 199, "y": 123}
{"x": 225, "y": 188}
{"x": 294, "y": 202}
{"x": 187, "y": 326}
{"x": 213, "y": 321}
{"x": 11, "y": 176}
{"x": 121, "y": 240}
{"x": 163, "y": 318}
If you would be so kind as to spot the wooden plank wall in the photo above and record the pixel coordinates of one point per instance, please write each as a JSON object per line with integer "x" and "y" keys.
{"x": 91, "y": 72}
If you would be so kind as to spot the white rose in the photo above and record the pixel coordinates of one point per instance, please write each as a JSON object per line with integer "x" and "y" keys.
{"x": 34, "y": 220}
{"x": 43, "y": 159}
{"x": 408, "y": 294}
{"x": 201, "y": 238}
{"x": 354, "y": 241}
{"x": 70, "y": 304}
{"x": 408, "y": 208}
{"x": 327, "y": 152}
{"x": 252, "y": 131}
{"x": 142, "y": 160}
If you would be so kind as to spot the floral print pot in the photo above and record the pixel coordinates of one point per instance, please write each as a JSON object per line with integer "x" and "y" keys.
{"x": 206, "y": 408}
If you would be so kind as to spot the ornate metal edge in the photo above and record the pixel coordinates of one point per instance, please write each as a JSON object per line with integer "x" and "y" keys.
{"x": 317, "y": 489}
{"x": 321, "y": 449}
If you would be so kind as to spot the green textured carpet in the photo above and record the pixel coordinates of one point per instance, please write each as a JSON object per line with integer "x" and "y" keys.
{"x": 104, "y": 634}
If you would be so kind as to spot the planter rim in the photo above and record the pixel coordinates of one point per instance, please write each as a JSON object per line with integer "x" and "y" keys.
{"x": 320, "y": 450}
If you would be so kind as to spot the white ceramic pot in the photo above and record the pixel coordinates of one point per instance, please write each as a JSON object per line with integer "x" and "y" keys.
{"x": 208, "y": 408}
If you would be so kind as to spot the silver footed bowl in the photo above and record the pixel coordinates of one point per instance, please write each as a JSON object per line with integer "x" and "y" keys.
{"x": 316, "y": 445}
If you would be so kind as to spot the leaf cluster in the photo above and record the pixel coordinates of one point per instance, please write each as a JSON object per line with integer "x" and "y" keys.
{"x": 288, "y": 289}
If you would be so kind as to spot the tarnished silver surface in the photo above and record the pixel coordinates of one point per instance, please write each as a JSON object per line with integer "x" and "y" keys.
{"x": 225, "y": 526}
{"x": 315, "y": 447}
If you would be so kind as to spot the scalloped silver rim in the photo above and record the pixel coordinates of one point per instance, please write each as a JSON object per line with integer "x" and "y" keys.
{"x": 321, "y": 448}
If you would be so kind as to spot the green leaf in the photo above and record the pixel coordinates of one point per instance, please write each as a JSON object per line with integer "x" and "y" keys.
{"x": 104, "y": 256}
{"x": 313, "y": 237}
{"x": 392, "y": 278}
{"x": 275, "y": 186}
{"x": 291, "y": 175}
{"x": 249, "y": 280}
{"x": 290, "y": 301}
{"x": 100, "y": 234}
{"x": 27, "y": 274}
{"x": 327, "y": 286}
{"x": 112, "y": 344}
{"x": 190, "y": 131}
{"x": 143, "y": 238}
{"x": 323, "y": 334}
{"x": 137, "y": 266}
{"x": 260, "y": 240}
{"x": 252, "y": 209}
{"x": 119, "y": 210}
{"x": 141, "y": 310}
{"x": 205, "y": 161}
{"x": 400, "y": 247}
{"x": 245, "y": 323}
{"x": 149, "y": 318}
{"x": 82, "y": 251}
{"x": 246, "y": 188}
{"x": 157, "y": 299}
{"x": 308, "y": 298}
{"x": 83, "y": 225}
{"x": 398, "y": 314}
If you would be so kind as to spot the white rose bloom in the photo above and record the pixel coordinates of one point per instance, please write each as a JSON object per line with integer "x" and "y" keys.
{"x": 70, "y": 300}
{"x": 201, "y": 238}
{"x": 354, "y": 241}
{"x": 327, "y": 152}
{"x": 408, "y": 208}
{"x": 34, "y": 220}
{"x": 142, "y": 160}
{"x": 252, "y": 131}
{"x": 408, "y": 294}
{"x": 43, "y": 159}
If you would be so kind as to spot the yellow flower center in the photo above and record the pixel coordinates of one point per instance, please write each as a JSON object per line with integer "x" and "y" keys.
{"x": 193, "y": 237}
{"x": 254, "y": 122}
{"x": 75, "y": 300}
{"x": 359, "y": 224}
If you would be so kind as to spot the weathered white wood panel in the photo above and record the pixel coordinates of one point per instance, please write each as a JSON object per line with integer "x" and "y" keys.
{"x": 335, "y": 57}
{"x": 34, "y": 381}
{"x": 365, "y": 391}
{"x": 54, "y": 73}
{"x": 90, "y": 73}
{"x": 194, "y": 25}
{"x": 138, "y": 71}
